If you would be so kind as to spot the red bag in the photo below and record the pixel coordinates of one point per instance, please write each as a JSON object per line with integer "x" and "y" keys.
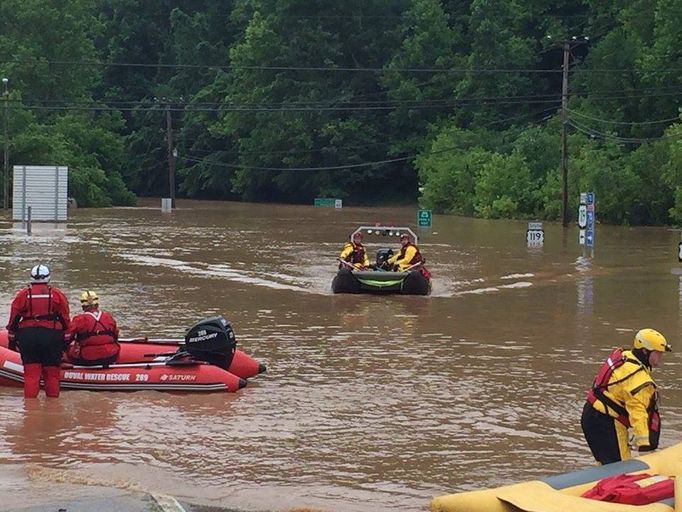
{"x": 640, "y": 489}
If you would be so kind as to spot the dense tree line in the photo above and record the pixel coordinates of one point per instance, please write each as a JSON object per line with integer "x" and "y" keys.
{"x": 366, "y": 100}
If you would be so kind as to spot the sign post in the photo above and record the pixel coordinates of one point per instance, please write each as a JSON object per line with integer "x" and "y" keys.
{"x": 586, "y": 219}
{"x": 424, "y": 218}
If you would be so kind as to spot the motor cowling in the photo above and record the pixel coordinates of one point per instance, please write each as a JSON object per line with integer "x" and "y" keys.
{"x": 212, "y": 340}
{"x": 382, "y": 257}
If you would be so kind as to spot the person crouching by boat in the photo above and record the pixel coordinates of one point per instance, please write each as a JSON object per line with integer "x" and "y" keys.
{"x": 409, "y": 254}
{"x": 624, "y": 395}
{"x": 353, "y": 254}
{"x": 94, "y": 334}
{"x": 38, "y": 319}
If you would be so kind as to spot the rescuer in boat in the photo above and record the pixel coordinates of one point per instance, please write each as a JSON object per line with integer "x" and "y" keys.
{"x": 94, "y": 334}
{"x": 409, "y": 254}
{"x": 38, "y": 319}
{"x": 354, "y": 253}
{"x": 624, "y": 396}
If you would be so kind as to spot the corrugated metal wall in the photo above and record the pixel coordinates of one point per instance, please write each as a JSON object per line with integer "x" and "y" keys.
{"x": 43, "y": 188}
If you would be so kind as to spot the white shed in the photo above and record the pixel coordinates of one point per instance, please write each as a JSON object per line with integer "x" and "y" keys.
{"x": 44, "y": 188}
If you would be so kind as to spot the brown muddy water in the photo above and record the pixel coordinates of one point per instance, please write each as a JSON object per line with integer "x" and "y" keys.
{"x": 369, "y": 403}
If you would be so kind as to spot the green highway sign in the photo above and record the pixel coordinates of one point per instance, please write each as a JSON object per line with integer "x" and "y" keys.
{"x": 330, "y": 202}
{"x": 424, "y": 218}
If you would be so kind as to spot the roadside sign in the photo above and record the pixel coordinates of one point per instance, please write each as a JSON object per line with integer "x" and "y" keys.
{"x": 679, "y": 251}
{"x": 535, "y": 235}
{"x": 586, "y": 219}
{"x": 582, "y": 216}
{"x": 424, "y": 218}
{"x": 329, "y": 202}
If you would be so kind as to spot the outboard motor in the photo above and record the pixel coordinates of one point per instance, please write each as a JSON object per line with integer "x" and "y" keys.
{"x": 382, "y": 258}
{"x": 212, "y": 340}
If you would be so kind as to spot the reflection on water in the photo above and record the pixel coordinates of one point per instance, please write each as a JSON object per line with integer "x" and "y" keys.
{"x": 370, "y": 403}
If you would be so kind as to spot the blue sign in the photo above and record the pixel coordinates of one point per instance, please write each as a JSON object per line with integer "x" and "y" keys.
{"x": 589, "y": 238}
{"x": 590, "y": 198}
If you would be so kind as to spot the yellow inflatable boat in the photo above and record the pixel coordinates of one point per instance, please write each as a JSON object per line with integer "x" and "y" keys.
{"x": 561, "y": 493}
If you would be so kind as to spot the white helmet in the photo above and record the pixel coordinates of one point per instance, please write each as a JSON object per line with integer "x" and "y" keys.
{"x": 40, "y": 274}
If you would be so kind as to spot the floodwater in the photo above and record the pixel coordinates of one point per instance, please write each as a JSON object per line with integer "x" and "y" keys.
{"x": 369, "y": 403}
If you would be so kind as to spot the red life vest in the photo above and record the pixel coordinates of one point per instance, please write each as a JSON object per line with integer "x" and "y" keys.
{"x": 640, "y": 489}
{"x": 96, "y": 335}
{"x": 415, "y": 259}
{"x": 40, "y": 309}
{"x": 358, "y": 254}
{"x": 100, "y": 329}
{"x": 601, "y": 383}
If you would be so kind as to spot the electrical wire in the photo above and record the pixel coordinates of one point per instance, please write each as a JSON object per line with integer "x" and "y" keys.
{"x": 232, "y": 67}
{"x": 632, "y": 123}
{"x": 350, "y": 166}
{"x": 592, "y": 133}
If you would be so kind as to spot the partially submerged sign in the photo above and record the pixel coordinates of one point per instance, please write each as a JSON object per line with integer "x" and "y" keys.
{"x": 44, "y": 189}
{"x": 586, "y": 219}
{"x": 424, "y": 218}
{"x": 329, "y": 202}
{"x": 535, "y": 235}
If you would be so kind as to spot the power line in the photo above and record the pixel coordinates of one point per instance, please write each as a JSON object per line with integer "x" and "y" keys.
{"x": 592, "y": 133}
{"x": 325, "y": 68}
{"x": 327, "y": 168}
{"x": 349, "y": 166}
{"x": 660, "y": 121}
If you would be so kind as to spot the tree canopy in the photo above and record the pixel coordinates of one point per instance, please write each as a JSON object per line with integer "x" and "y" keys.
{"x": 455, "y": 105}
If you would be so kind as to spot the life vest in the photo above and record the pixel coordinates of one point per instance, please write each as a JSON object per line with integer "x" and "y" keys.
{"x": 640, "y": 489}
{"x": 415, "y": 259}
{"x": 100, "y": 332}
{"x": 602, "y": 382}
{"x": 96, "y": 337}
{"x": 357, "y": 256}
{"x": 40, "y": 309}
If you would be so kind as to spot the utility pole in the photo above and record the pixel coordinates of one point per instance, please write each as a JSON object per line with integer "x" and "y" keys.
{"x": 5, "y": 172}
{"x": 564, "y": 141}
{"x": 171, "y": 156}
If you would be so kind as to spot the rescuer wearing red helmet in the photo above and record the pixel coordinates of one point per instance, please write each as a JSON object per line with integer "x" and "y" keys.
{"x": 94, "y": 333}
{"x": 39, "y": 316}
{"x": 623, "y": 396}
{"x": 353, "y": 253}
{"x": 409, "y": 254}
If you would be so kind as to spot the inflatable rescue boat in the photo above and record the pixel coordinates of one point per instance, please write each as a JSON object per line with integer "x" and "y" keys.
{"x": 379, "y": 279}
{"x": 207, "y": 360}
{"x": 562, "y": 493}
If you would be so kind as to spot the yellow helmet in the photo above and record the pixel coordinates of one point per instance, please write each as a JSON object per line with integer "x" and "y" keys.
{"x": 651, "y": 340}
{"x": 89, "y": 298}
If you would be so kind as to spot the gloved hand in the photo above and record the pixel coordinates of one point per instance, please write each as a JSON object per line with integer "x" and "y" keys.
{"x": 11, "y": 341}
{"x": 66, "y": 341}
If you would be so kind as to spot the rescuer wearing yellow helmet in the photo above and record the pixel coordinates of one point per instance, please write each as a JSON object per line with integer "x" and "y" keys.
{"x": 623, "y": 396}
{"x": 94, "y": 333}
